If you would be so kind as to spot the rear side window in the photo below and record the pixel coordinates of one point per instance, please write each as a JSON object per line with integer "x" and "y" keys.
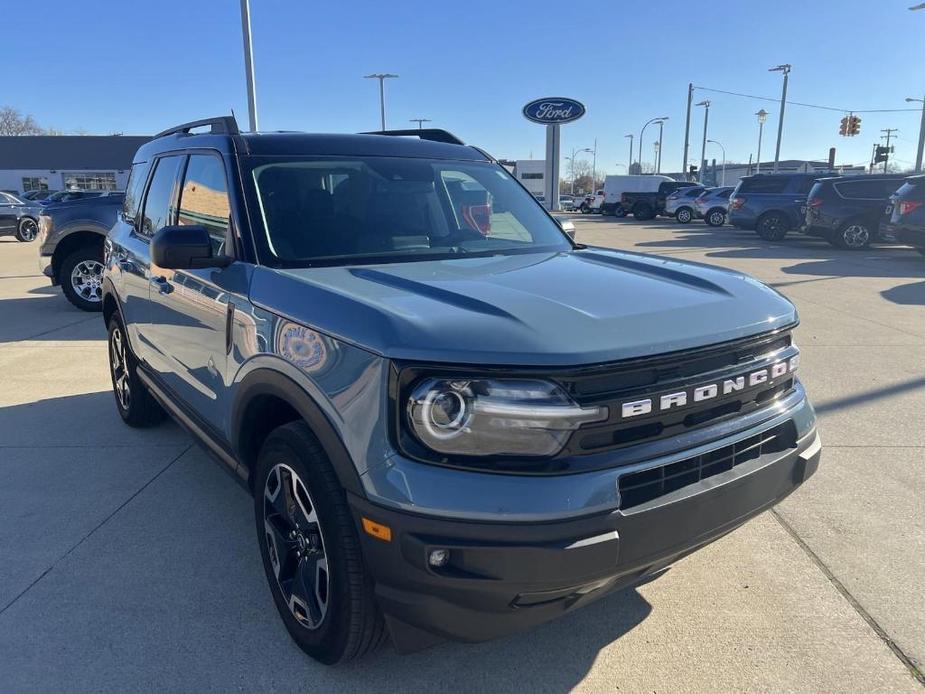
{"x": 159, "y": 201}
{"x": 769, "y": 184}
{"x": 204, "y": 198}
{"x": 804, "y": 185}
{"x": 867, "y": 190}
{"x": 135, "y": 189}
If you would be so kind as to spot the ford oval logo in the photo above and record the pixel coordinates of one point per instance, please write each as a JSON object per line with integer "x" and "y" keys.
{"x": 554, "y": 110}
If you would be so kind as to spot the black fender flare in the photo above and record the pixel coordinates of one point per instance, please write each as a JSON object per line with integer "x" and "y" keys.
{"x": 265, "y": 381}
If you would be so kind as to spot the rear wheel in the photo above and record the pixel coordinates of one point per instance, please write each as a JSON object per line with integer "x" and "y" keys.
{"x": 311, "y": 549}
{"x": 684, "y": 215}
{"x": 716, "y": 217}
{"x": 772, "y": 226}
{"x": 27, "y": 230}
{"x": 584, "y": 208}
{"x": 852, "y": 236}
{"x": 81, "y": 278}
{"x": 643, "y": 212}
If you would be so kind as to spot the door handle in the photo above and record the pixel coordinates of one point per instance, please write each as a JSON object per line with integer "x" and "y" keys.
{"x": 163, "y": 286}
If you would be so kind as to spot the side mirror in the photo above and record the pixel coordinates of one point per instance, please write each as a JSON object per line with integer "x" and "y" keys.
{"x": 185, "y": 247}
{"x": 566, "y": 225}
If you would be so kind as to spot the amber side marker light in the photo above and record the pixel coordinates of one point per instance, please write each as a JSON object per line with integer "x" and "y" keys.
{"x": 377, "y": 530}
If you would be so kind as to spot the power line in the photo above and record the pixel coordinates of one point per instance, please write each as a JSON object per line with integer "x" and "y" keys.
{"x": 817, "y": 106}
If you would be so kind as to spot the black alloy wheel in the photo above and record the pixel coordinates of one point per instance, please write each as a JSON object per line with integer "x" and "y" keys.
{"x": 772, "y": 226}
{"x": 27, "y": 230}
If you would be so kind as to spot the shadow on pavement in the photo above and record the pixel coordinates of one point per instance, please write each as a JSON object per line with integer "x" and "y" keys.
{"x": 868, "y": 396}
{"x": 907, "y": 294}
{"x": 45, "y": 316}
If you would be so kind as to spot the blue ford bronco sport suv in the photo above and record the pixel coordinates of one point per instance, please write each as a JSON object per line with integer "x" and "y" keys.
{"x": 455, "y": 421}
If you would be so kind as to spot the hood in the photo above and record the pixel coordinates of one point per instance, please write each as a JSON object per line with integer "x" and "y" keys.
{"x": 552, "y": 309}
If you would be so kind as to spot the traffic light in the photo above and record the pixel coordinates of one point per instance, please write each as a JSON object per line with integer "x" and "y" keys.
{"x": 843, "y": 130}
{"x": 854, "y": 125}
{"x": 692, "y": 171}
{"x": 882, "y": 154}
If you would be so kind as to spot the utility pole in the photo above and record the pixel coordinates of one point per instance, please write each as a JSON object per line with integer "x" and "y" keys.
{"x": 249, "y": 65}
{"x": 783, "y": 102}
{"x": 629, "y": 169}
{"x": 703, "y": 148}
{"x": 687, "y": 125}
{"x": 918, "y": 152}
{"x": 382, "y": 77}
{"x": 658, "y": 154}
{"x": 889, "y": 133}
{"x": 594, "y": 169}
{"x": 419, "y": 121}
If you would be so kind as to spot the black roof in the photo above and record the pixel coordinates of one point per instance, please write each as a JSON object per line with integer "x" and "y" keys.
{"x": 69, "y": 152}
{"x": 296, "y": 143}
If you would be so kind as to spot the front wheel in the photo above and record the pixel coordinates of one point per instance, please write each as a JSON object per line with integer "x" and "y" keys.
{"x": 772, "y": 227}
{"x": 584, "y": 209}
{"x": 853, "y": 236}
{"x": 311, "y": 550}
{"x": 684, "y": 215}
{"x": 619, "y": 211}
{"x": 27, "y": 230}
{"x": 716, "y": 218}
{"x": 135, "y": 404}
{"x": 81, "y": 278}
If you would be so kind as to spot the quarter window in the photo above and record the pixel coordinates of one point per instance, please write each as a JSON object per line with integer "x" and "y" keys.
{"x": 204, "y": 198}
{"x": 770, "y": 184}
{"x": 159, "y": 202}
{"x": 135, "y": 189}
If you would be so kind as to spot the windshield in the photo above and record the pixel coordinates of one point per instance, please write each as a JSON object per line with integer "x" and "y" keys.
{"x": 330, "y": 211}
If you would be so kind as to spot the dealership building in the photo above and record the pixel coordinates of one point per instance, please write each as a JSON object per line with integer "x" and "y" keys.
{"x": 66, "y": 162}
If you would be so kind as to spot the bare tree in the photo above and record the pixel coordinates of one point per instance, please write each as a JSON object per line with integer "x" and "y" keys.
{"x": 12, "y": 122}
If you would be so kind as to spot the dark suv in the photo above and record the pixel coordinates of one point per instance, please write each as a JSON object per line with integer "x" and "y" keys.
{"x": 449, "y": 427}
{"x": 907, "y": 220}
{"x": 847, "y": 211}
{"x": 771, "y": 204}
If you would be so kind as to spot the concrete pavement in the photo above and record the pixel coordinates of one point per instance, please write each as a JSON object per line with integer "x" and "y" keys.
{"x": 128, "y": 559}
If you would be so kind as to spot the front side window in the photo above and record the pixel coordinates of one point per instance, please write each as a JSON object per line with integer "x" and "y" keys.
{"x": 378, "y": 209}
{"x": 159, "y": 201}
{"x": 204, "y": 198}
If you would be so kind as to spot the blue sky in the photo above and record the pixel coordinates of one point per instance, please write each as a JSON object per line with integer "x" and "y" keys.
{"x": 137, "y": 67}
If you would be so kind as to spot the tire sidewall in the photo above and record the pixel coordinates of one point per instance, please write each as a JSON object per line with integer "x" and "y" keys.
{"x": 325, "y": 642}
{"x": 19, "y": 233}
{"x": 684, "y": 215}
{"x": 772, "y": 235}
{"x": 710, "y": 220}
{"x": 618, "y": 211}
{"x": 842, "y": 242}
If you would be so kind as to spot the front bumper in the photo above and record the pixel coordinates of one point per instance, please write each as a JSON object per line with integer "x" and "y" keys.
{"x": 503, "y": 577}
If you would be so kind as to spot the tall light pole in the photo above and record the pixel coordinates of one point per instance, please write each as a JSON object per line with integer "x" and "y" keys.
{"x": 658, "y": 158}
{"x": 382, "y": 77}
{"x": 642, "y": 132}
{"x": 629, "y": 169}
{"x": 574, "y": 152}
{"x": 762, "y": 117}
{"x": 249, "y": 65}
{"x": 717, "y": 142}
{"x": 687, "y": 126}
{"x": 703, "y": 146}
{"x": 785, "y": 68}
{"x": 419, "y": 121}
{"x": 594, "y": 168}
{"x": 918, "y": 153}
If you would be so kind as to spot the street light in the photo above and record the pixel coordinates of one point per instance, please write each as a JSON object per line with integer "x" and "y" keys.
{"x": 717, "y": 142}
{"x": 249, "y": 65}
{"x": 762, "y": 117}
{"x": 642, "y": 132}
{"x": 918, "y": 153}
{"x": 658, "y": 159}
{"x": 419, "y": 121}
{"x": 381, "y": 76}
{"x": 703, "y": 147}
{"x": 629, "y": 169}
{"x": 785, "y": 68}
{"x": 572, "y": 167}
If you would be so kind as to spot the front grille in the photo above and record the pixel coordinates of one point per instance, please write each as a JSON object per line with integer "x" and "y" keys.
{"x": 646, "y": 378}
{"x": 640, "y": 487}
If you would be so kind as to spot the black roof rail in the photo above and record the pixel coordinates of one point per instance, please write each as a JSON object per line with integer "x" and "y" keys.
{"x": 433, "y": 134}
{"x": 221, "y": 124}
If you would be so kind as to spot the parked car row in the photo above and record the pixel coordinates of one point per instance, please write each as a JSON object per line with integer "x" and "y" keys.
{"x": 697, "y": 202}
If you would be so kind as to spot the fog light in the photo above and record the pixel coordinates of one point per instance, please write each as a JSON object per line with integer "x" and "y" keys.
{"x": 438, "y": 557}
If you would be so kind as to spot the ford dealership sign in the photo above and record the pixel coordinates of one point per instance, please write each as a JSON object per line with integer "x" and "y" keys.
{"x": 554, "y": 111}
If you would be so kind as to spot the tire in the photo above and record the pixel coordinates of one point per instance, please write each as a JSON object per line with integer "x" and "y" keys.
{"x": 584, "y": 208}
{"x": 619, "y": 212}
{"x": 27, "y": 230}
{"x": 135, "y": 404}
{"x": 80, "y": 276}
{"x": 643, "y": 212}
{"x": 340, "y": 620}
{"x": 851, "y": 236}
{"x": 684, "y": 215}
{"x": 772, "y": 226}
{"x": 715, "y": 217}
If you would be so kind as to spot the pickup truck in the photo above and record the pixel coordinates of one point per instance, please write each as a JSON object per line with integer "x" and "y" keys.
{"x": 71, "y": 236}
{"x": 646, "y": 206}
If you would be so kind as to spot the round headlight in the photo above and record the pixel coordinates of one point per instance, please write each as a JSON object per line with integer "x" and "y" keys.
{"x": 444, "y": 412}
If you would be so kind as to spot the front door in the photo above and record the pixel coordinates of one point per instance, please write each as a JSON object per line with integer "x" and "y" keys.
{"x": 190, "y": 308}
{"x": 8, "y": 212}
